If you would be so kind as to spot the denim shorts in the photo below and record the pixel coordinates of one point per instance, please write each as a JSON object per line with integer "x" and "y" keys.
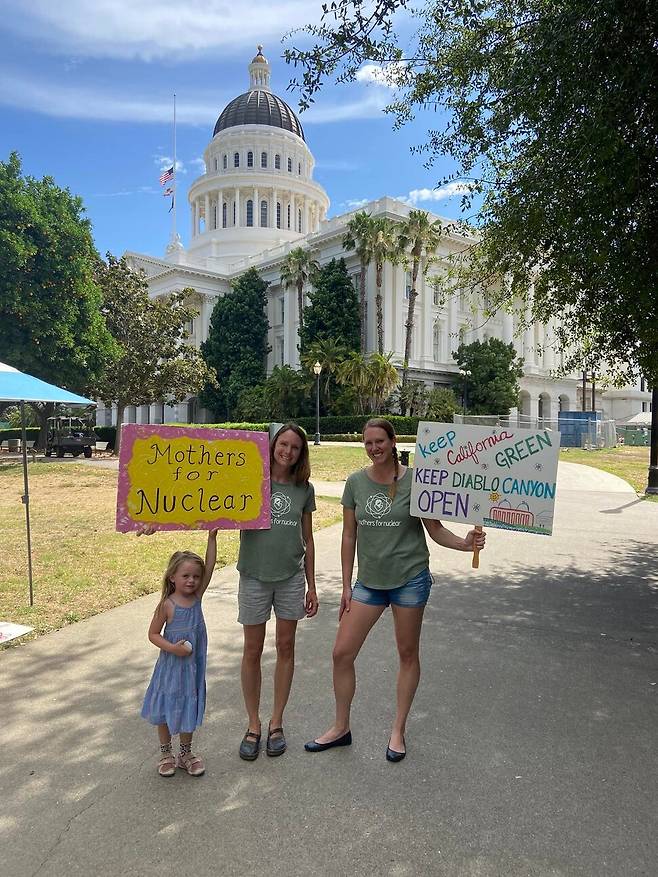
{"x": 413, "y": 594}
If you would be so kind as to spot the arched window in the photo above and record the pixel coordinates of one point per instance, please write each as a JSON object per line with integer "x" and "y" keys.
{"x": 299, "y": 220}
{"x": 263, "y": 159}
{"x": 290, "y": 165}
{"x": 224, "y": 214}
{"x": 236, "y": 159}
{"x": 250, "y": 212}
{"x": 278, "y": 214}
{"x": 250, "y": 159}
{"x": 216, "y": 165}
{"x": 225, "y": 161}
{"x": 263, "y": 214}
{"x": 288, "y": 216}
{"x": 277, "y": 162}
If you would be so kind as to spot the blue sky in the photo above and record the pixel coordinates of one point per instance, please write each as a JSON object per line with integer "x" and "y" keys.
{"x": 86, "y": 93}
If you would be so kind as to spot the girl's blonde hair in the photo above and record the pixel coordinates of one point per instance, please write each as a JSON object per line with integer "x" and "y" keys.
{"x": 301, "y": 471}
{"x": 175, "y": 561}
{"x": 387, "y": 426}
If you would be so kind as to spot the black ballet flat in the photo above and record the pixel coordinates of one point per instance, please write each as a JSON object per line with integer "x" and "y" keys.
{"x": 314, "y": 746}
{"x": 393, "y": 755}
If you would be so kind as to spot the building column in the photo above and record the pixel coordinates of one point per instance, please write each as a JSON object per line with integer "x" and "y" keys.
{"x": 206, "y": 207}
{"x": 305, "y": 227}
{"x": 237, "y": 208}
{"x": 256, "y": 213}
{"x": 273, "y": 202}
{"x": 193, "y": 218}
{"x": 508, "y": 327}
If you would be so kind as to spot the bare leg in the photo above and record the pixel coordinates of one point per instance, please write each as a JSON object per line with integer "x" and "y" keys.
{"x": 353, "y": 629}
{"x": 285, "y": 667}
{"x": 407, "y": 621}
{"x": 254, "y": 637}
{"x": 163, "y": 735}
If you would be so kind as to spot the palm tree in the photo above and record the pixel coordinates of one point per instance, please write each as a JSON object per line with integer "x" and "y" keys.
{"x": 296, "y": 271}
{"x": 420, "y": 237}
{"x": 330, "y": 353}
{"x": 359, "y": 237}
{"x": 353, "y": 372}
{"x": 383, "y": 378}
{"x": 385, "y": 248}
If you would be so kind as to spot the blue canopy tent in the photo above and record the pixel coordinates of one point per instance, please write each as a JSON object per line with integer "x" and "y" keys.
{"x": 16, "y": 386}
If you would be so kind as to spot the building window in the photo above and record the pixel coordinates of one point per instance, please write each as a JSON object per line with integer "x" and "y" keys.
{"x": 436, "y": 295}
{"x": 299, "y": 221}
{"x": 263, "y": 159}
{"x": 216, "y": 165}
{"x": 225, "y": 161}
{"x": 279, "y": 351}
{"x": 263, "y": 214}
{"x": 250, "y": 213}
{"x": 407, "y": 285}
{"x": 250, "y": 159}
{"x": 236, "y": 159}
{"x": 234, "y": 211}
{"x": 282, "y": 309}
{"x": 224, "y": 214}
{"x": 290, "y": 165}
{"x": 278, "y": 214}
{"x": 277, "y": 162}
{"x": 288, "y": 215}
{"x": 299, "y": 168}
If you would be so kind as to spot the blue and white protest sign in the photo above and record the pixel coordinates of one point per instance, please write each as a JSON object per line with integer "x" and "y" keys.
{"x": 501, "y": 477}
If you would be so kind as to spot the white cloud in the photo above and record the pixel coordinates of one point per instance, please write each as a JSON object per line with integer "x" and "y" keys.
{"x": 153, "y": 29}
{"x": 378, "y": 75}
{"x": 370, "y": 106}
{"x": 417, "y": 196}
{"x": 354, "y": 204}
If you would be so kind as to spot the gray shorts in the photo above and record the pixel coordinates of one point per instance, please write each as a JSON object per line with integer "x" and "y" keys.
{"x": 256, "y": 599}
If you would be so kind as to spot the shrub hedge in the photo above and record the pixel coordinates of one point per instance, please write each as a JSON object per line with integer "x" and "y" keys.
{"x": 31, "y": 434}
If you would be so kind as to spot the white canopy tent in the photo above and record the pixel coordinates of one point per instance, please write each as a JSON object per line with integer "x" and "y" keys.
{"x": 17, "y": 386}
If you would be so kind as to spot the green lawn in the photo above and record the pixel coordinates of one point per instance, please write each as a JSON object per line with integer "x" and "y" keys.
{"x": 631, "y": 464}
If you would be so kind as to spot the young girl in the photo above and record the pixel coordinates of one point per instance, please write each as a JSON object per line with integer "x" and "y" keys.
{"x": 176, "y": 697}
{"x": 277, "y": 569}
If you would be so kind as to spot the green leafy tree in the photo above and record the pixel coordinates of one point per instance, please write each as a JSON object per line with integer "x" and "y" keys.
{"x": 420, "y": 236}
{"x": 359, "y": 237}
{"x": 383, "y": 379}
{"x": 286, "y": 390}
{"x": 153, "y": 364}
{"x": 253, "y": 405}
{"x": 492, "y": 386}
{"x": 297, "y": 271}
{"x": 333, "y": 309}
{"x": 551, "y": 119}
{"x": 352, "y": 374}
{"x": 50, "y": 304}
{"x": 236, "y": 347}
{"x": 441, "y": 405}
{"x": 330, "y": 354}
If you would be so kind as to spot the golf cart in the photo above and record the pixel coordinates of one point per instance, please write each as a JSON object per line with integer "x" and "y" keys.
{"x": 69, "y": 435}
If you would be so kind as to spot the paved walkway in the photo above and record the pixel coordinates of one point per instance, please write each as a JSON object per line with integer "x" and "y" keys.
{"x": 531, "y": 744}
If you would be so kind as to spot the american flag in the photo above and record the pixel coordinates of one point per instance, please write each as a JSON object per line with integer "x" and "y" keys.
{"x": 167, "y": 175}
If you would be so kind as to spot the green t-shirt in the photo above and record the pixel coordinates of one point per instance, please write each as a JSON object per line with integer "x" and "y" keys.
{"x": 278, "y": 553}
{"x": 390, "y": 544}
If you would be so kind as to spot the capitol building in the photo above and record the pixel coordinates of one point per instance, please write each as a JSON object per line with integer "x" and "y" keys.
{"x": 257, "y": 200}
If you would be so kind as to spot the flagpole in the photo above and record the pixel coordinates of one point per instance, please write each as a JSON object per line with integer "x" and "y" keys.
{"x": 173, "y": 219}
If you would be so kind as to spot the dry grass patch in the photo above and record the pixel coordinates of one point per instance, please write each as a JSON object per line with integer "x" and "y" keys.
{"x": 81, "y": 565}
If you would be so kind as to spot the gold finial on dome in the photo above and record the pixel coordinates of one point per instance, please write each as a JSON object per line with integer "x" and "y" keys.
{"x": 260, "y": 58}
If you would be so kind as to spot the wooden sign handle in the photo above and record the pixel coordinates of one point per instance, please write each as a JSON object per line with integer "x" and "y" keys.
{"x": 476, "y": 552}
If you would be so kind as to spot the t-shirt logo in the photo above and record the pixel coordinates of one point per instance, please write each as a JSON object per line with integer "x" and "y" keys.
{"x": 378, "y": 505}
{"x": 280, "y": 504}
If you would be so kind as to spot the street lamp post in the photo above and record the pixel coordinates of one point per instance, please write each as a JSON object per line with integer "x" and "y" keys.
{"x": 652, "y": 486}
{"x": 317, "y": 368}
{"x": 465, "y": 373}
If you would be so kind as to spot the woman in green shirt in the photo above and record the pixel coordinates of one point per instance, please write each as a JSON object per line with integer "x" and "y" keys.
{"x": 393, "y": 569}
{"x": 277, "y": 571}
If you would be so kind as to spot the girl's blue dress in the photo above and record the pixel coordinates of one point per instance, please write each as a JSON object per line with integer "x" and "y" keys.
{"x": 176, "y": 695}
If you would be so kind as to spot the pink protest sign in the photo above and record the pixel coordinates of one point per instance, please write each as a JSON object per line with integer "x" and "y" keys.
{"x": 180, "y": 478}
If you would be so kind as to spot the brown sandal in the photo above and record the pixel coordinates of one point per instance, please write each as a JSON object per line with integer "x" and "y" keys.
{"x": 167, "y": 765}
{"x": 192, "y": 764}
